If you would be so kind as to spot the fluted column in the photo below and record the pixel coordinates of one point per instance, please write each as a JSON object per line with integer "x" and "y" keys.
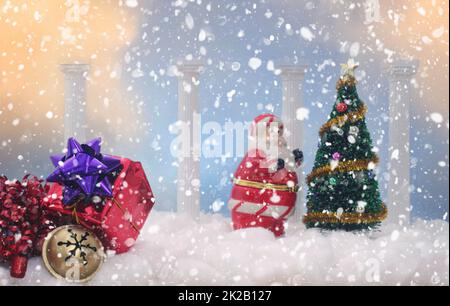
{"x": 400, "y": 99}
{"x": 292, "y": 77}
{"x": 75, "y": 100}
{"x": 188, "y": 196}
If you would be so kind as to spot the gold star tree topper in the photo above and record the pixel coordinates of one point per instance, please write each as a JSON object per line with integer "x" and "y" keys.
{"x": 349, "y": 67}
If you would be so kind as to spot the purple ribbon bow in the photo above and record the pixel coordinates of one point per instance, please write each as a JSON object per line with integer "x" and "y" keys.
{"x": 83, "y": 171}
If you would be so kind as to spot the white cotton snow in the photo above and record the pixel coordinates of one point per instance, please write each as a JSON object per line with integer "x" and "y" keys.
{"x": 173, "y": 249}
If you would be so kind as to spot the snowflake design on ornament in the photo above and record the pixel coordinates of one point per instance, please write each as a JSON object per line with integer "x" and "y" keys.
{"x": 361, "y": 206}
{"x": 77, "y": 246}
{"x": 351, "y": 139}
{"x": 353, "y": 130}
{"x": 337, "y": 130}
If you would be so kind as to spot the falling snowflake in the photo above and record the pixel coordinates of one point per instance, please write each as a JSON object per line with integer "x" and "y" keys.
{"x": 302, "y": 113}
{"x": 306, "y": 34}
{"x": 131, "y": 3}
{"x": 189, "y": 21}
{"x": 437, "y": 117}
{"x": 254, "y": 63}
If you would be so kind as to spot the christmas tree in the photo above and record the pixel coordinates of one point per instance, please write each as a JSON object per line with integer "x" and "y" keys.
{"x": 343, "y": 191}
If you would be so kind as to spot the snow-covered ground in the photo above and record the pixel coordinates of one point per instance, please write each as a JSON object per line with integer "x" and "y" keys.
{"x": 175, "y": 250}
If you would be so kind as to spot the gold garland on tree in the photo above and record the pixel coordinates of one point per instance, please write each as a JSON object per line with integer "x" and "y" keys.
{"x": 346, "y": 166}
{"x": 341, "y": 120}
{"x": 346, "y": 217}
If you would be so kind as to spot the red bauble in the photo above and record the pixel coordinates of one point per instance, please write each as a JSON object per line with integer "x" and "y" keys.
{"x": 341, "y": 107}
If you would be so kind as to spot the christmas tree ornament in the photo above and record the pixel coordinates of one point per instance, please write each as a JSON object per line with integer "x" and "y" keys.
{"x": 334, "y": 208}
{"x": 344, "y": 166}
{"x": 361, "y": 205}
{"x": 336, "y": 156}
{"x": 348, "y": 69}
{"x": 348, "y": 101}
{"x": 353, "y": 130}
{"x": 341, "y": 107}
{"x": 109, "y": 195}
{"x": 341, "y": 120}
{"x": 264, "y": 195}
{"x": 73, "y": 253}
{"x": 23, "y": 221}
{"x": 332, "y": 181}
{"x": 338, "y": 130}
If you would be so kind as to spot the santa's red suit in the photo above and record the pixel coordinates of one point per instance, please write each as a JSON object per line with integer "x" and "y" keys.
{"x": 265, "y": 185}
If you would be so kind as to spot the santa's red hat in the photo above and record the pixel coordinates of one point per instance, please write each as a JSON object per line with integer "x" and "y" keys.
{"x": 268, "y": 120}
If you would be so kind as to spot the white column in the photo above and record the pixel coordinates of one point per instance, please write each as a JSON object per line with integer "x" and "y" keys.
{"x": 75, "y": 100}
{"x": 188, "y": 196}
{"x": 292, "y": 77}
{"x": 400, "y": 99}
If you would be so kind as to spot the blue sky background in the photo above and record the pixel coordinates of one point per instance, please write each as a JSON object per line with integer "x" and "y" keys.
{"x": 239, "y": 30}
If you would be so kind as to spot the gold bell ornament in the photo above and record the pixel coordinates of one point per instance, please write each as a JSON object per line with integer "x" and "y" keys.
{"x": 73, "y": 253}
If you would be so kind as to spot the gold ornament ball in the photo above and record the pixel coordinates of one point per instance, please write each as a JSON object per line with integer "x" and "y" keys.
{"x": 73, "y": 253}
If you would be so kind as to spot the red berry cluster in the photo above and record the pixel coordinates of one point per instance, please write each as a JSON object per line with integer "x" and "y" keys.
{"x": 23, "y": 221}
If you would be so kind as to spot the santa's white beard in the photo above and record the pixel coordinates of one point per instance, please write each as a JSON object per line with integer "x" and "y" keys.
{"x": 273, "y": 150}
{"x": 288, "y": 157}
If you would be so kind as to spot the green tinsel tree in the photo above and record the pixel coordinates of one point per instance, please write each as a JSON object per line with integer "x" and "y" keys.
{"x": 343, "y": 191}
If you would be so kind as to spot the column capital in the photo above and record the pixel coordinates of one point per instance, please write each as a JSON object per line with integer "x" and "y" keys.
{"x": 74, "y": 68}
{"x": 294, "y": 71}
{"x": 190, "y": 66}
{"x": 402, "y": 69}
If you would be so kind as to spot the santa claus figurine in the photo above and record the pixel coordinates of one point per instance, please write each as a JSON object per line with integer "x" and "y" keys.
{"x": 265, "y": 183}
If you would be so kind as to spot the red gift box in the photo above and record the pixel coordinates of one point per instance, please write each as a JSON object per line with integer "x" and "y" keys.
{"x": 120, "y": 220}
